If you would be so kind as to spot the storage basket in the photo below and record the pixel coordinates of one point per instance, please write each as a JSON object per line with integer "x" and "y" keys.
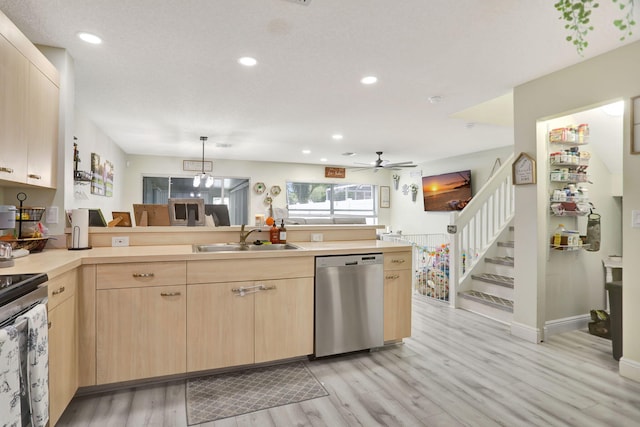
{"x": 29, "y": 214}
{"x": 32, "y": 245}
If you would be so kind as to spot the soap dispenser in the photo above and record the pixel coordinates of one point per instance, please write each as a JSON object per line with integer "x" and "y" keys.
{"x": 274, "y": 234}
{"x": 283, "y": 233}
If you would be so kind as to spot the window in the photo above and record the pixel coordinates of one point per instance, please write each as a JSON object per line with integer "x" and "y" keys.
{"x": 306, "y": 199}
{"x": 233, "y": 192}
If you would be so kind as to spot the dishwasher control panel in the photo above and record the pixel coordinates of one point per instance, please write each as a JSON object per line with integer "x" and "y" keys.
{"x": 348, "y": 260}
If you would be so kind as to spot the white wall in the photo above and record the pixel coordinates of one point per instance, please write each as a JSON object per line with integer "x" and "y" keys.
{"x": 91, "y": 139}
{"x": 603, "y": 79}
{"x": 410, "y": 217}
{"x": 270, "y": 173}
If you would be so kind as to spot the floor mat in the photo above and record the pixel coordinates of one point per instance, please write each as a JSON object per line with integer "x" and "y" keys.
{"x": 235, "y": 393}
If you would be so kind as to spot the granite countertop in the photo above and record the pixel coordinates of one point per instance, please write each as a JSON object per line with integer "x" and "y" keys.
{"x": 57, "y": 261}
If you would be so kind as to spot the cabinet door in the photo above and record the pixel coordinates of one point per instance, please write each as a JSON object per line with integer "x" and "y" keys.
{"x": 14, "y": 73}
{"x": 397, "y": 304}
{"x": 140, "y": 333}
{"x": 63, "y": 363}
{"x": 220, "y": 326}
{"x": 42, "y": 129}
{"x": 284, "y": 319}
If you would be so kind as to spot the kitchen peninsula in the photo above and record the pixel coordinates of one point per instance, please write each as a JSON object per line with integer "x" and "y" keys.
{"x": 160, "y": 311}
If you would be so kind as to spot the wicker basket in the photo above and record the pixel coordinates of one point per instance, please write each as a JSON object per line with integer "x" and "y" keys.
{"x": 32, "y": 245}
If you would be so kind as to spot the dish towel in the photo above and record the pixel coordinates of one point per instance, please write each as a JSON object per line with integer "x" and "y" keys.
{"x": 38, "y": 364}
{"x": 10, "y": 377}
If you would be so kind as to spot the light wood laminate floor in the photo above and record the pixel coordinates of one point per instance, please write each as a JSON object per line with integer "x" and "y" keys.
{"x": 458, "y": 369}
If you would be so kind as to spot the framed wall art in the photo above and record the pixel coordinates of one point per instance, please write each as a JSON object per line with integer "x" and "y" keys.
{"x": 385, "y": 196}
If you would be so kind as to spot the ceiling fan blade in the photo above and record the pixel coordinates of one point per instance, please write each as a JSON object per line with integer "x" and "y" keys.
{"x": 399, "y": 163}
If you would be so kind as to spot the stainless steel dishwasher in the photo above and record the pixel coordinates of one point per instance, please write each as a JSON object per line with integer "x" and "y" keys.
{"x": 348, "y": 303}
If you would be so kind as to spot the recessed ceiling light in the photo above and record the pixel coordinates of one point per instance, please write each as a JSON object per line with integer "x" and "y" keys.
{"x": 369, "y": 80}
{"x": 337, "y": 136}
{"x": 469, "y": 125}
{"x": 324, "y": 159}
{"x": 247, "y": 61}
{"x": 89, "y": 38}
{"x": 436, "y": 99}
{"x": 349, "y": 154}
{"x": 223, "y": 145}
{"x": 306, "y": 151}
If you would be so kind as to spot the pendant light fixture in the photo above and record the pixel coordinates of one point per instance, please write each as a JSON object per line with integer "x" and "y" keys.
{"x": 208, "y": 179}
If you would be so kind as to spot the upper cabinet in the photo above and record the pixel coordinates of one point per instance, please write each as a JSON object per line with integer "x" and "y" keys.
{"x": 14, "y": 76}
{"x": 42, "y": 134}
{"x": 29, "y": 100}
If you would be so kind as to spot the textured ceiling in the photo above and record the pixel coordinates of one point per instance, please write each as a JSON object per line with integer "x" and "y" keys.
{"x": 167, "y": 72}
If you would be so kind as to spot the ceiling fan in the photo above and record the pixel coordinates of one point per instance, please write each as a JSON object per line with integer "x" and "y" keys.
{"x": 384, "y": 164}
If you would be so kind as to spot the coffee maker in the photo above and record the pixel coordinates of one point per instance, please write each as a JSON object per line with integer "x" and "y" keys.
{"x": 7, "y": 222}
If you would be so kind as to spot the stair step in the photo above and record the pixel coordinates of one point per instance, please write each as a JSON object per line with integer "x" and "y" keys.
{"x": 509, "y": 244}
{"x": 488, "y": 299}
{"x": 496, "y": 279}
{"x": 502, "y": 260}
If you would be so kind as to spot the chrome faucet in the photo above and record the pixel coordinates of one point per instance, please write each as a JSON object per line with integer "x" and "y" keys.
{"x": 244, "y": 235}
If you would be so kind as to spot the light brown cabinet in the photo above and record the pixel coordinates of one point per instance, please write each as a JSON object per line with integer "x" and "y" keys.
{"x": 284, "y": 319}
{"x": 42, "y": 130}
{"x": 140, "y": 321}
{"x": 140, "y": 333}
{"x": 232, "y": 323}
{"x": 397, "y": 295}
{"x": 63, "y": 355}
{"x": 14, "y": 73}
{"x": 29, "y": 103}
{"x": 220, "y": 326}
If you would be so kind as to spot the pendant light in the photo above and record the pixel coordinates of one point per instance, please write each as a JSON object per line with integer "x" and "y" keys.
{"x": 208, "y": 179}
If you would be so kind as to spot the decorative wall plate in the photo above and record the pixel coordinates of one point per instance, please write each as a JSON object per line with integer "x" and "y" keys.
{"x": 259, "y": 187}
{"x": 275, "y": 190}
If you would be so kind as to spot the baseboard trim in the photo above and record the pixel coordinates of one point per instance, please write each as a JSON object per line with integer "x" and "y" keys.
{"x": 566, "y": 324}
{"x": 526, "y": 332}
{"x": 630, "y": 369}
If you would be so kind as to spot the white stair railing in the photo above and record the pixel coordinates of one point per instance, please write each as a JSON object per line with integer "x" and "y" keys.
{"x": 478, "y": 225}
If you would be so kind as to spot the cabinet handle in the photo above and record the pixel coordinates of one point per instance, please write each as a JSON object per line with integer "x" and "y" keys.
{"x": 242, "y": 291}
{"x": 142, "y": 275}
{"x": 48, "y": 325}
{"x": 34, "y": 176}
{"x": 58, "y": 291}
{"x": 392, "y": 276}
{"x": 397, "y": 261}
{"x": 170, "y": 294}
{"x": 6, "y": 169}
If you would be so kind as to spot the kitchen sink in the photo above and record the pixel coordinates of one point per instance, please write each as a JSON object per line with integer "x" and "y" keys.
{"x": 236, "y": 247}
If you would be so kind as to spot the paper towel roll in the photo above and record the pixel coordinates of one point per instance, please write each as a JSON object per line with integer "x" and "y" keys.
{"x": 80, "y": 228}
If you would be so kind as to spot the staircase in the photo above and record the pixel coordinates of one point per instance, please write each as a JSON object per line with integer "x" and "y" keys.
{"x": 491, "y": 292}
{"x": 481, "y": 267}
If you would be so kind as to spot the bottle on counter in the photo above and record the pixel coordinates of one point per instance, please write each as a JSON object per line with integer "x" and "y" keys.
{"x": 274, "y": 234}
{"x": 283, "y": 233}
{"x": 557, "y": 235}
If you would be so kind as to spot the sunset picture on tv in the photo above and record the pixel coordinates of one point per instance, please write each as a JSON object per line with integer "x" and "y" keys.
{"x": 447, "y": 192}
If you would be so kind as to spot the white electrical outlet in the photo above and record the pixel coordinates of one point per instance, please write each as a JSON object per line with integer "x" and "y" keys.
{"x": 316, "y": 237}
{"x": 119, "y": 241}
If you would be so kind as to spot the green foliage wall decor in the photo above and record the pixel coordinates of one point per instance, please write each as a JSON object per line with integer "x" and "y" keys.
{"x": 577, "y": 16}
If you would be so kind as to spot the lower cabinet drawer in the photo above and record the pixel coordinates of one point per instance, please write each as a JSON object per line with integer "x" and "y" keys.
{"x": 140, "y": 274}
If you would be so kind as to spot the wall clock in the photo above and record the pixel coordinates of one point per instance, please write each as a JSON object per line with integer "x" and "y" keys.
{"x": 524, "y": 170}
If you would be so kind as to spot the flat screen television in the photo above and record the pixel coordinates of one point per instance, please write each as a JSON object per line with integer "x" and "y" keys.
{"x": 447, "y": 192}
